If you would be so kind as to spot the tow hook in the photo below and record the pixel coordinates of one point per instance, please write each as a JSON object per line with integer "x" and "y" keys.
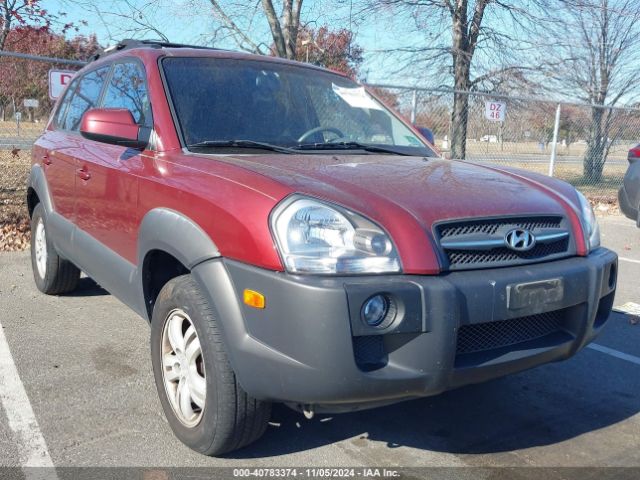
{"x": 308, "y": 411}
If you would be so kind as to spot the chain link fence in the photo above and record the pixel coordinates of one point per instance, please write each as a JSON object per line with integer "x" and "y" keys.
{"x": 582, "y": 144}
{"x": 25, "y": 106}
{"x": 585, "y": 145}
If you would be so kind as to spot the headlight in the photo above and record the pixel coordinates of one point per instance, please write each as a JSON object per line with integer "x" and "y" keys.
{"x": 316, "y": 237}
{"x": 589, "y": 223}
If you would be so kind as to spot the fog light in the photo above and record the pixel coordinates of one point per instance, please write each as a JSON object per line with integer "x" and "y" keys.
{"x": 375, "y": 309}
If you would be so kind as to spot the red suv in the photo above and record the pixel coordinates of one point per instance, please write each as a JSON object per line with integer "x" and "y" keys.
{"x": 291, "y": 239}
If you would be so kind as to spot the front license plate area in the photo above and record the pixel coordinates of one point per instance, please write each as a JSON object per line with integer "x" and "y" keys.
{"x": 534, "y": 295}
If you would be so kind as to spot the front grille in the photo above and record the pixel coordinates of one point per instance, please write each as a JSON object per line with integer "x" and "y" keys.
{"x": 491, "y": 226}
{"x": 479, "y": 337}
{"x": 505, "y": 255}
{"x": 475, "y": 232}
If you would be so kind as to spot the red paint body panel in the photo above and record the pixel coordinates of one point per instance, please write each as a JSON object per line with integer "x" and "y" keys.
{"x": 231, "y": 196}
{"x": 107, "y": 203}
{"x": 59, "y": 169}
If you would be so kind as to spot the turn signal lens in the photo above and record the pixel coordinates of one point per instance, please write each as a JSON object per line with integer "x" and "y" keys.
{"x": 254, "y": 299}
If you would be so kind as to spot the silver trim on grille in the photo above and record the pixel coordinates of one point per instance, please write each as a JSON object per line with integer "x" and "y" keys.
{"x": 491, "y": 243}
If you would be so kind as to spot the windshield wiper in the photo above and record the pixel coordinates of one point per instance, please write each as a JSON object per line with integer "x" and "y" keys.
{"x": 350, "y": 146}
{"x": 241, "y": 144}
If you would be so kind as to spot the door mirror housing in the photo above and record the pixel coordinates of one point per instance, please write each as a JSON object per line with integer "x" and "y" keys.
{"x": 426, "y": 133}
{"x": 115, "y": 126}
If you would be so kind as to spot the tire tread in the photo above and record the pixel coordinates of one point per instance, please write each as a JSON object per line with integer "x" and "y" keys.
{"x": 240, "y": 419}
{"x": 61, "y": 276}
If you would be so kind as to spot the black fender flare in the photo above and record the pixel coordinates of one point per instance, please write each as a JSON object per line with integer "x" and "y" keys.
{"x": 172, "y": 232}
{"x": 176, "y": 234}
{"x": 38, "y": 183}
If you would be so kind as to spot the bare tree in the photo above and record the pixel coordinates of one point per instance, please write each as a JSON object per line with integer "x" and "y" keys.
{"x": 128, "y": 18}
{"x": 598, "y": 43}
{"x": 473, "y": 42}
{"x": 258, "y": 26}
{"x": 284, "y": 26}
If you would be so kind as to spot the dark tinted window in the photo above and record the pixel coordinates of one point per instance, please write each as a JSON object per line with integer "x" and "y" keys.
{"x": 128, "y": 89}
{"x": 64, "y": 104}
{"x": 85, "y": 96}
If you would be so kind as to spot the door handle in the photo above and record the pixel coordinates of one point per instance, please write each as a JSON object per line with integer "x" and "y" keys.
{"x": 46, "y": 160}
{"x": 83, "y": 173}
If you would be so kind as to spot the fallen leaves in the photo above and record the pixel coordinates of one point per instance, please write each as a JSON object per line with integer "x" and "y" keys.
{"x": 14, "y": 218}
{"x": 15, "y": 236}
{"x": 604, "y": 204}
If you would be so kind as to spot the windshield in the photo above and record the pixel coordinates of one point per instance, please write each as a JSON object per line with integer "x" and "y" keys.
{"x": 220, "y": 100}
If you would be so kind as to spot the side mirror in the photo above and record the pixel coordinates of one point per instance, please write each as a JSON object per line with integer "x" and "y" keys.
{"x": 426, "y": 133}
{"x": 115, "y": 126}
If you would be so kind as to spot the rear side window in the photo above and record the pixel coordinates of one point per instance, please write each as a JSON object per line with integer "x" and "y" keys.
{"x": 128, "y": 89}
{"x": 85, "y": 96}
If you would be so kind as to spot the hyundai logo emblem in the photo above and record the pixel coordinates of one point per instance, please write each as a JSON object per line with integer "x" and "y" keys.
{"x": 519, "y": 240}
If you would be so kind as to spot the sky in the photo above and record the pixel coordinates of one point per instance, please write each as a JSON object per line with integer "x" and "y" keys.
{"x": 182, "y": 25}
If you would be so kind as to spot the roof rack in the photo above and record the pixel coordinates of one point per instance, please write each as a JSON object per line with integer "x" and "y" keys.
{"x": 129, "y": 43}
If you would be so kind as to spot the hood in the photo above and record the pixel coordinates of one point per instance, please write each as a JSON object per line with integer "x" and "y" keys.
{"x": 407, "y": 195}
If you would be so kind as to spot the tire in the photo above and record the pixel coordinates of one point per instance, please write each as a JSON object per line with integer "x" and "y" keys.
{"x": 227, "y": 418}
{"x": 53, "y": 275}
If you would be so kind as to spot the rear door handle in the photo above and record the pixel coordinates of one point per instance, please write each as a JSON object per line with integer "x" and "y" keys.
{"x": 83, "y": 173}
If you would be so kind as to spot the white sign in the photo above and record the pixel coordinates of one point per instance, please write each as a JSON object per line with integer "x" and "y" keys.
{"x": 31, "y": 103}
{"x": 58, "y": 80}
{"x": 356, "y": 97}
{"x": 495, "y": 111}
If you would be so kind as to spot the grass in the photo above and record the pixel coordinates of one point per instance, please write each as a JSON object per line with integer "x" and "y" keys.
{"x": 618, "y": 152}
{"x": 14, "y": 218}
{"x": 14, "y": 170}
{"x": 28, "y": 131}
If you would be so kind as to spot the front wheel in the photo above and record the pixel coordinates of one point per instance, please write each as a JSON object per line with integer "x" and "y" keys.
{"x": 204, "y": 404}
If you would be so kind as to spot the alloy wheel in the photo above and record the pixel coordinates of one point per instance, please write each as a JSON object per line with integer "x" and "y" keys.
{"x": 183, "y": 368}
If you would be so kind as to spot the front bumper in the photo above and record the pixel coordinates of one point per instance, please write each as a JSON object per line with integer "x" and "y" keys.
{"x": 309, "y": 347}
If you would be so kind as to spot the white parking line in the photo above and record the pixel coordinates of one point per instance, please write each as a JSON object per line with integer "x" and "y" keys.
{"x": 32, "y": 449}
{"x": 624, "y": 259}
{"x": 614, "y": 353}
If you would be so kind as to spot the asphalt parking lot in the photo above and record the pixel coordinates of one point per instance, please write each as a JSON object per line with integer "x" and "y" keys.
{"x": 83, "y": 361}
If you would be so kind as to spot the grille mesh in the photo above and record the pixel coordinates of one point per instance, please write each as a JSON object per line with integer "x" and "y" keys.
{"x": 504, "y": 255}
{"x": 490, "y": 227}
{"x": 369, "y": 352}
{"x": 479, "y": 337}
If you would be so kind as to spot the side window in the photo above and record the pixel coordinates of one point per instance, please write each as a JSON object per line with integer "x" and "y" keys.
{"x": 86, "y": 96}
{"x": 128, "y": 89}
{"x": 64, "y": 103}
